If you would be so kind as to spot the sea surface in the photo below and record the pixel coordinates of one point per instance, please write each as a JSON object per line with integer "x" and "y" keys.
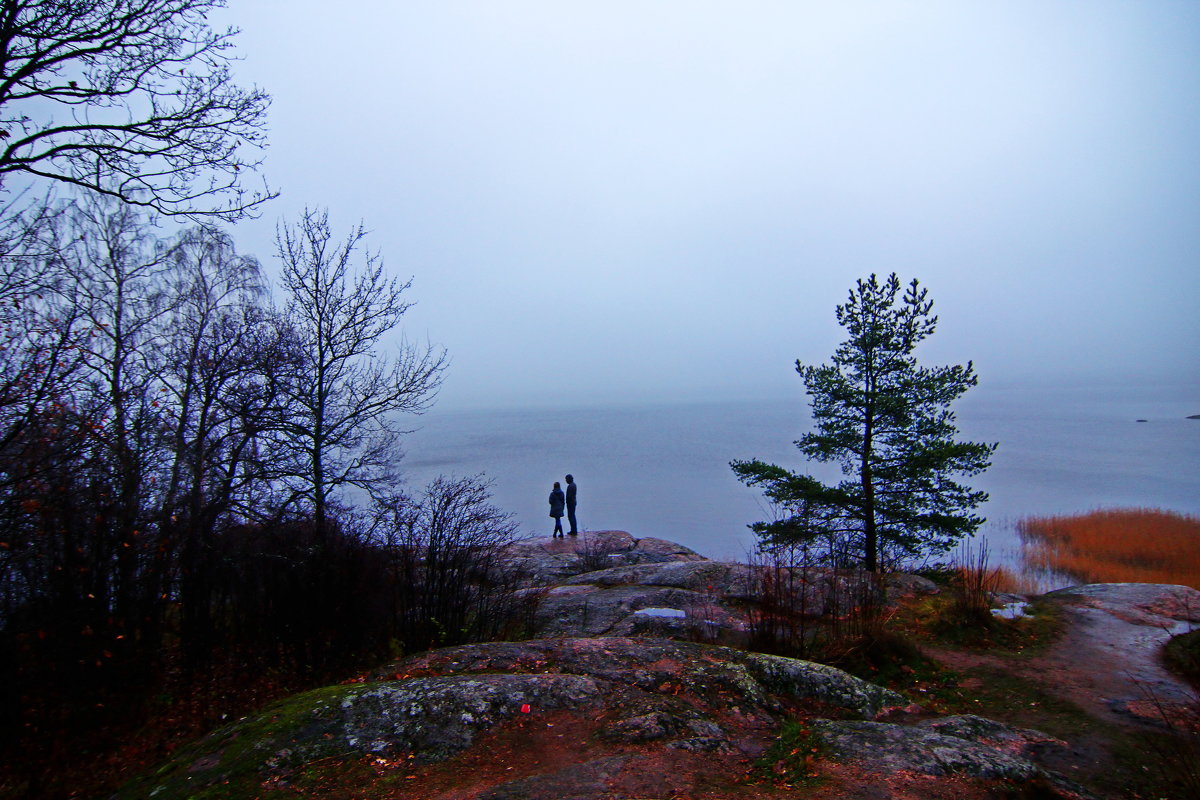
{"x": 663, "y": 470}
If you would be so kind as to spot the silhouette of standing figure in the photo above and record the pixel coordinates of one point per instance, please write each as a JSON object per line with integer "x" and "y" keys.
{"x": 571, "y": 504}
{"x": 557, "y": 502}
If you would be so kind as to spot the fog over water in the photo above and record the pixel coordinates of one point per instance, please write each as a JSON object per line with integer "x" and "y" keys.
{"x": 630, "y": 202}
{"x": 625, "y": 221}
{"x": 662, "y": 470}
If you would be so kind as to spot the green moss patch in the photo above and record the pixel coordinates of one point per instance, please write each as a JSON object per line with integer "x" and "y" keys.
{"x": 789, "y": 761}
{"x": 995, "y": 692}
{"x": 941, "y": 618}
{"x": 229, "y": 762}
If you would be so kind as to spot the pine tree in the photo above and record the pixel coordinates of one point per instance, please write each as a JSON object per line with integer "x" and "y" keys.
{"x": 887, "y": 422}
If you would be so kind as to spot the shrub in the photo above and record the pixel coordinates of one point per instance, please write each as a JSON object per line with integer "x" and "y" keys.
{"x": 448, "y": 573}
{"x": 594, "y": 553}
{"x": 1182, "y": 654}
{"x": 803, "y": 608}
{"x": 973, "y": 585}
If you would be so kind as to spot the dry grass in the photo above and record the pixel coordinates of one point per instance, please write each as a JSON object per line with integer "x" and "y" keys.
{"x": 972, "y": 570}
{"x": 1118, "y": 546}
{"x": 1004, "y": 579}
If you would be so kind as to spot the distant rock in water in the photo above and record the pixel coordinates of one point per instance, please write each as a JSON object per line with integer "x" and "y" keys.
{"x": 1140, "y": 420}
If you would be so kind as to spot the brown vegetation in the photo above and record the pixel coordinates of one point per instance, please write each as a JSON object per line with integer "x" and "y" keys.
{"x": 1116, "y": 546}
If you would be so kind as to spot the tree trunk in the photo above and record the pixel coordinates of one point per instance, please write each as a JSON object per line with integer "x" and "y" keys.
{"x": 870, "y": 534}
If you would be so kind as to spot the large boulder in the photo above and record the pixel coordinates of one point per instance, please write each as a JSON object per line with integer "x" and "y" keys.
{"x": 623, "y": 610}
{"x": 887, "y": 748}
{"x": 582, "y": 718}
{"x": 1148, "y": 604}
{"x": 753, "y": 680}
{"x": 617, "y": 706}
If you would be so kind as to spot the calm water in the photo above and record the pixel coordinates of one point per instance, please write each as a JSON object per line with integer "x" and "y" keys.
{"x": 663, "y": 470}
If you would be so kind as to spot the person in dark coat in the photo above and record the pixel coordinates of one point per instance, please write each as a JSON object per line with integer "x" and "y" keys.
{"x": 557, "y": 502}
{"x": 571, "y": 492}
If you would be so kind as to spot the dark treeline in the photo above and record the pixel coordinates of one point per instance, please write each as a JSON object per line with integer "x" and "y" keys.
{"x": 176, "y": 454}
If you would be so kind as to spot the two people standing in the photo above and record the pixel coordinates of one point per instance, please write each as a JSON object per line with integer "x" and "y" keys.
{"x": 560, "y": 502}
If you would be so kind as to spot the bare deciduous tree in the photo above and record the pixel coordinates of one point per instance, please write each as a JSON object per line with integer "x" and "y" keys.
{"x": 228, "y": 359}
{"x": 214, "y": 371}
{"x": 39, "y": 344}
{"x": 115, "y": 273}
{"x": 129, "y": 98}
{"x": 345, "y": 418}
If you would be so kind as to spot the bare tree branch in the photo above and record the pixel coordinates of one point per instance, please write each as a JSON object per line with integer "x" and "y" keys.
{"x": 133, "y": 99}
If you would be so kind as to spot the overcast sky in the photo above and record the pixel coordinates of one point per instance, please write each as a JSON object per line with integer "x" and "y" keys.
{"x": 642, "y": 201}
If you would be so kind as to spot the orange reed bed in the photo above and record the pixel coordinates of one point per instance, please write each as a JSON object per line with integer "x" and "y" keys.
{"x": 1120, "y": 546}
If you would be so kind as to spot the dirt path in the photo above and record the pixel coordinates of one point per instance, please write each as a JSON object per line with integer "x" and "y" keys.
{"x": 1109, "y": 661}
{"x": 1108, "y": 664}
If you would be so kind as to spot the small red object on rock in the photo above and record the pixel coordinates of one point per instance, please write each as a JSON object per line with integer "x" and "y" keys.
{"x": 525, "y": 708}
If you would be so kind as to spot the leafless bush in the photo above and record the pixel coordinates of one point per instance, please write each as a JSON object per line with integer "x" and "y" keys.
{"x": 805, "y": 607}
{"x": 594, "y": 554}
{"x": 703, "y": 619}
{"x": 450, "y": 577}
{"x": 781, "y": 620}
{"x": 974, "y": 585}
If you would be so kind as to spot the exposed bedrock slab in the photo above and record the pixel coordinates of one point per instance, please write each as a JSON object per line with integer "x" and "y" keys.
{"x": 1118, "y": 630}
{"x": 733, "y": 676}
{"x": 427, "y": 709}
{"x": 968, "y": 745}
